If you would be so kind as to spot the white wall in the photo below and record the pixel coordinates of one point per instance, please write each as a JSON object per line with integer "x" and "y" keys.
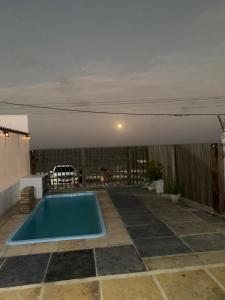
{"x": 14, "y": 164}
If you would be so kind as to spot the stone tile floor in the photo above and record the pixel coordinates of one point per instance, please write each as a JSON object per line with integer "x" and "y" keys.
{"x": 154, "y": 249}
{"x": 70, "y": 265}
{"x": 118, "y": 260}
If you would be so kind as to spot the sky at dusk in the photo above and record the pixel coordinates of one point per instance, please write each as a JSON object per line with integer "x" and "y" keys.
{"x": 121, "y": 56}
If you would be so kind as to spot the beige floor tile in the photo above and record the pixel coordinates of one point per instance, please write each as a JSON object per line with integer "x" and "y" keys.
{"x": 171, "y": 262}
{"x": 10, "y": 226}
{"x": 83, "y": 291}
{"x": 135, "y": 288}
{"x": 5, "y": 235}
{"x": 20, "y": 294}
{"x": 212, "y": 257}
{"x": 20, "y": 217}
{"x": 219, "y": 273}
{"x": 196, "y": 285}
{"x": 43, "y": 248}
{"x": 113, "y": 227}
{"x": 3, "y": 250}
{"x": 96, "y": 243}
{"x": 71, "y": 245}
{"x": 116, "y": 230}
{"x": 119, "y": 241}
{"x": 110, "y": 213}
{"x": 113, "y": 220}
{"x": 18, "y": 250}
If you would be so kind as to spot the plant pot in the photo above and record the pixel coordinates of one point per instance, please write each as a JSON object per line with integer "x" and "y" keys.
{"x": 175, "y": 197}
{"x": 166, "y": 196}
{"x": 152, "y": 187}
{"x": 159, "y": 186}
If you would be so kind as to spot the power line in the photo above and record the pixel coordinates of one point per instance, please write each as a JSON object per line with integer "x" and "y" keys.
{"x": 109, "y": 112}
{"x": 135, "y": 102}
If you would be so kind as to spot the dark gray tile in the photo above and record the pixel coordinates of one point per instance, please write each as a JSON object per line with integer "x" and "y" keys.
{"x": 21, "y": 270}
{"x": 174, "y": 214}
{"x": 70, "y": 265}
{"x": 118, "y": 260}
{"x": 149, "y": 231}
{"x": 133, "y": 211}
{"x": 190, "y": 228}
{"x": 160, "y": 246}
{"x": 122, "y": 196}
{"x": 206, "y": 242}
{"x": 210, "y": 218}
{"x": 137, "y": 219}
{"x": 120, "y": 203}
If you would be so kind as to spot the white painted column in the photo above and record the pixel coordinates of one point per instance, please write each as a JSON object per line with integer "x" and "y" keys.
{"x": 223, "y": 143}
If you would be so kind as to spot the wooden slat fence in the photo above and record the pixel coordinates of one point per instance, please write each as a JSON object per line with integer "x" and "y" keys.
{"x": 192, "y": 166}
{"x": 126, "y": 164}
{"x": 165, "y": 155}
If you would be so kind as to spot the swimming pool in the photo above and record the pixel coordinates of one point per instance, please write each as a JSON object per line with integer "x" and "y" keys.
{"x": 62, "y": 217}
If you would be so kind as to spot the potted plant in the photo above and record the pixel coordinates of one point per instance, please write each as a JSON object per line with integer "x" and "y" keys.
{"x": 153, "y": 176}
{"x": 173, "y": 190}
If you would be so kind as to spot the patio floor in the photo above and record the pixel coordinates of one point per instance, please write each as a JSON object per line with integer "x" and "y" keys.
{"x": 154, "y": 249}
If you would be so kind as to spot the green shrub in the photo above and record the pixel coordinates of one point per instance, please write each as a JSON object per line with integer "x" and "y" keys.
{"x": 154, "y": 171}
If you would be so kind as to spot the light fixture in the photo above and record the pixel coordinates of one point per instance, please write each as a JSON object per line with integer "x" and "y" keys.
{"x": 6, "y": 133}
{"x": 119, "y": 126}
{"x": 27, "y": 137}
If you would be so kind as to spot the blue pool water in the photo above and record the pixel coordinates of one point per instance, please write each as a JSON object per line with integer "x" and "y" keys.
{"x": 62, "y": 217}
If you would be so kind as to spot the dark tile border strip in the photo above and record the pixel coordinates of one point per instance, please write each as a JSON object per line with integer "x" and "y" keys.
{"x": 158, "y": 245}
{"x": 22, "y": 270}
{"x": 58, "y": 266}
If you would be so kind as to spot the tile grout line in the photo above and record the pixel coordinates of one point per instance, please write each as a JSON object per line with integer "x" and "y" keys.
{"x": 154, "y": 237}
{"x": 3, "y": 262}
{"x": 215, "y": 279}
{"x": 43, "y": 280}
{"x": 167, "y": 225}
{"x": 162, "y": 292}
{"x": 127, "y": 226}
{"x": 186, "y": 244}
{"x": 117, "y": 276}
{"x": 181, "y": 254}
{"x": 201, "y": 233}
{"x": 96, "y": 271}
{"x": 100, "y": 290}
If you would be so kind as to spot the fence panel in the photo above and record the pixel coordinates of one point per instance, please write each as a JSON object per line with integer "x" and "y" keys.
{"x": 124, "y": 165}
{"x": 221, "y": 177}
{"x": 166, "y": 156}
{"x": 193, "y": 165}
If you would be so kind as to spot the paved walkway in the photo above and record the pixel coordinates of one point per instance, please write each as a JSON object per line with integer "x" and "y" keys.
{"x": 154, "y": 250}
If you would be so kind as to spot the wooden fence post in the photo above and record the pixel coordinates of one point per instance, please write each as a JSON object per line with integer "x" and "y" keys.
{"x": 215, "y": 178}
{"x": 128, "y": 166}
{"x": 222, "y": 124}
{"x": 174, "y": 167}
